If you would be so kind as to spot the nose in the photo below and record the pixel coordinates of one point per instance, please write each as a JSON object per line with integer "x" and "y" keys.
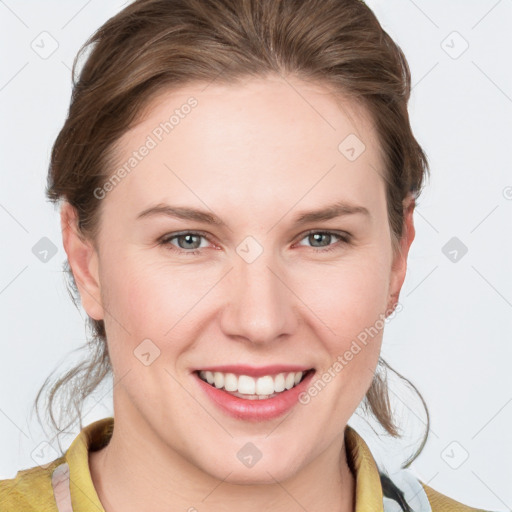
{"x": 261, "y": 306}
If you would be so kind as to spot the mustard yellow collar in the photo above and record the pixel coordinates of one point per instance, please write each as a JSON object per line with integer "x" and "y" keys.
{"x": 84, "y": 497}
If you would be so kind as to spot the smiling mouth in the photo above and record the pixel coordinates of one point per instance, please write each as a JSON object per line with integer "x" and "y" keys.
{"x": 254, "y": 388}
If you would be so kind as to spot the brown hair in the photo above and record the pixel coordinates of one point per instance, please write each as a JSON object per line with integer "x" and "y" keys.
{"x": 156, "y": 45}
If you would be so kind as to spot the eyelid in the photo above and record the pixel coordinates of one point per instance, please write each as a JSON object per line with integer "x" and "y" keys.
{"x": 325, "y": 230}
{"x": 175, "y": 234}
{"x": 171, "y": 235}
{"x": 345, "y": 238}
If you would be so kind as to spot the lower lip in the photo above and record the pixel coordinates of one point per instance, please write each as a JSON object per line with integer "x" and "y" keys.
{"x": 255, "y": 410}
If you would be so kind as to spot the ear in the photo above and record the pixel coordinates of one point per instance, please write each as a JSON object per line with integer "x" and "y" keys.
{"x": 399, "y": 266}
{"x": 83, "y": 261}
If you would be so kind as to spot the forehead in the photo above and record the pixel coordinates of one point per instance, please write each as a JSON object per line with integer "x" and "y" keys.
{"x": 268, "y": 138}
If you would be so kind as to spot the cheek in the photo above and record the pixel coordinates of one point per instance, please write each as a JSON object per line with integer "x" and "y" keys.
{"x": 140, "y": 304}
{"x": 347, "y": 306}
{"x": 147, "y": 294}
{"x": 348, "y": 295}
{"x": 149, "y": 299}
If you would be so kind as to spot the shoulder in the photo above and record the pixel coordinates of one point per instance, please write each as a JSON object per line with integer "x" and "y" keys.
{"x": 410, "y": 491}
{"x": 30, "y": 490}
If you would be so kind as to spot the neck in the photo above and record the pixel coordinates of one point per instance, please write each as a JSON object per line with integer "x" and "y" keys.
{"x": 160, "y": 477}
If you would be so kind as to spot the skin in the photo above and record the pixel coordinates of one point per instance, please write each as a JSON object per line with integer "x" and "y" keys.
{"x": 254, "y": 154}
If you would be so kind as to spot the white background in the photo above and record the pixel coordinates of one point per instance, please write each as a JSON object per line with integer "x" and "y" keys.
{"x": 452, "y": 339}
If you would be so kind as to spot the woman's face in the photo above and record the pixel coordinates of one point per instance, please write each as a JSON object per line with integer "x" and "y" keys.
{"x": 255, "y": 289}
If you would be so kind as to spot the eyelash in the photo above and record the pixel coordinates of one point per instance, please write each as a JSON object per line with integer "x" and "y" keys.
{"x": 345, "y": 238}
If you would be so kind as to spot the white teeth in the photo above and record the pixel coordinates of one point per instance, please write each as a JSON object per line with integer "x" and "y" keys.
{"x": 279, "y": 383}
{"x": 252, "y": 388}
{"x": 289, "y": 381}
{"x": 218, "y": 379}
{"x": 246, "y": 385}
{"x": 230, "y": 382}
{"x": 265, "y": 385}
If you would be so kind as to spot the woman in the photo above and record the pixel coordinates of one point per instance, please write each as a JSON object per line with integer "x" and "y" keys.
{"x": 238, "y": 180}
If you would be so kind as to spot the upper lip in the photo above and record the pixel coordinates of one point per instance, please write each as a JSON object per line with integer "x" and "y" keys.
{"x": 254, "y": 371}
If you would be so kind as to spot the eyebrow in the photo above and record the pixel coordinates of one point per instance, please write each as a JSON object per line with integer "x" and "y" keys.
{"x": 338, "y": 209}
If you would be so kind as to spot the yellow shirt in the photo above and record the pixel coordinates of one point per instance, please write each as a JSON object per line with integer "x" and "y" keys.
{"x": 31, "y": 490}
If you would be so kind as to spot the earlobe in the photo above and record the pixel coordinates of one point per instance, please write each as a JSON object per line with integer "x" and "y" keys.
{"x": 83, "y": 261}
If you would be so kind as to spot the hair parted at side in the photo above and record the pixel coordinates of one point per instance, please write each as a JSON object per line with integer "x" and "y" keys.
{"x": 156, "y": 45}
